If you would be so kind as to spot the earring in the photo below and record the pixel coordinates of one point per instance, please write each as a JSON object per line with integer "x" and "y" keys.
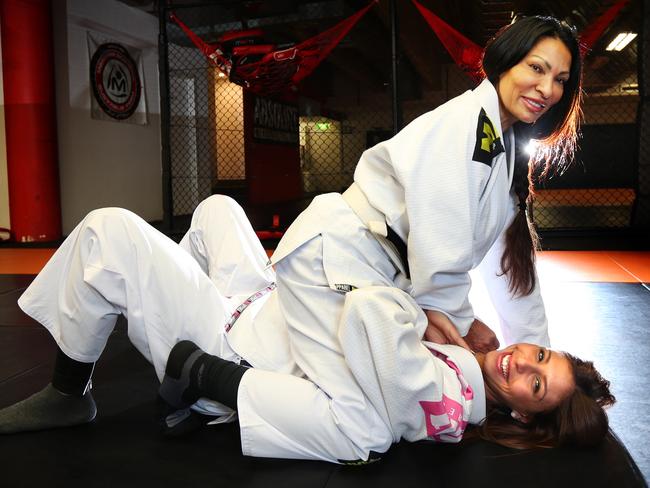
{"x": 516, "y": 415}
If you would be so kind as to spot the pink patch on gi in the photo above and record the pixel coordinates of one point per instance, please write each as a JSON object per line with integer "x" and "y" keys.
{"x": 448, "y": 407}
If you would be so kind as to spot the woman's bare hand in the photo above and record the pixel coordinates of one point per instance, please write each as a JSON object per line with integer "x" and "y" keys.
{"x": 442, "y": 331}
{"x": 481, "y": 338}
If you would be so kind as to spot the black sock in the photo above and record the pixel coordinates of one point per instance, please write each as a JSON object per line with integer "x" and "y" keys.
{"x": 71, "y": 377}
{"x": 219, "y": 379}
{"x": 191, "y": 374}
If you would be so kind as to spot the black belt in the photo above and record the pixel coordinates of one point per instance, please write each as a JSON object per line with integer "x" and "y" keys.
{"x": 401, "y": 248}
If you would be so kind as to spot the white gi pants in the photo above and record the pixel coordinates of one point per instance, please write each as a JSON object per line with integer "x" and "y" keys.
{"x": 115, "y": 263}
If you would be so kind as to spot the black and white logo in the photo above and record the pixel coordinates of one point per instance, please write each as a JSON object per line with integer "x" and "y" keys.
{"x": 115, "y": 80}
{"x": 344, "y": 288}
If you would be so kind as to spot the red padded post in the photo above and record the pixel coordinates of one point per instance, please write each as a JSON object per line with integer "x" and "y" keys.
{"x": 30, "y": 120}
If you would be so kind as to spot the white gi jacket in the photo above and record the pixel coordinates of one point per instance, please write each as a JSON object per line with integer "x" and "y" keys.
{"x": 422, "y": 390}
{"x": 408, "y": 389}
{"x": 411, "y": 390}
{"x": 443, "y": 184}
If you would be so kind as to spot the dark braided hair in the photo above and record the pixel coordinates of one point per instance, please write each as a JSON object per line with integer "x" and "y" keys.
{"x": 518, "y": 259}
{"x": 556, "y": 134}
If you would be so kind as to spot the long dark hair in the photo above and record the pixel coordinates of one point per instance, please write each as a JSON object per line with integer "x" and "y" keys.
{"x": 580, "y": 420}
{"x": 556, "y": 133}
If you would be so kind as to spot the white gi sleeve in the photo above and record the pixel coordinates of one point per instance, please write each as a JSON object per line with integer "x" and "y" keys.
{"x": 414, "y": 391}
{"x": 522, "y": 319}
{"x": 427, "y": 168}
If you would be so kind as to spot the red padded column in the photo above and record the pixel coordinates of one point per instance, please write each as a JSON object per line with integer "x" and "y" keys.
{"x": 30, "y": 120}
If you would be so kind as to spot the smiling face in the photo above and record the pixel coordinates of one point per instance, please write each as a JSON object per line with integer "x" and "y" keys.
{"x": 527, "y": 378}
{"x": 531, "y": 87}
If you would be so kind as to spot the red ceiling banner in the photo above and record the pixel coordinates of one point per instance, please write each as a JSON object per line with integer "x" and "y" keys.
{"x": 595, "y": 29}
{"x": 465, "y": 53}
{"x": 262, "y": 68}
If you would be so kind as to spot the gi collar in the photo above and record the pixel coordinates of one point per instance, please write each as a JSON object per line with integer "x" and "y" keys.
{"x": 471, "y": 371}
{"x": 488, "y": 98}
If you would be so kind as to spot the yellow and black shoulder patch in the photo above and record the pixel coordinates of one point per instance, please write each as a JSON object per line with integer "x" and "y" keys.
{"x": 488, "y": 143}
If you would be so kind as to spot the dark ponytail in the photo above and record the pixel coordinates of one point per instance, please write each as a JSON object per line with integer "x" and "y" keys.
{"x": 555, "y": 132}
{"x": 518, "y": 259}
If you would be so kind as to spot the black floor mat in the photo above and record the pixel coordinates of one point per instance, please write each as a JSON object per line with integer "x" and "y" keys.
{"x": 122, "y": 447}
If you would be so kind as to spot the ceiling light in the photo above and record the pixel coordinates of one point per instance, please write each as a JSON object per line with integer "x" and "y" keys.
{"x": 620, "y": 41}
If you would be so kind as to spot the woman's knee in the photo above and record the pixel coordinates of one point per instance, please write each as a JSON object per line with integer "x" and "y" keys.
{"x": 218, "y": 204}
{"x": 218, "y": 213}
{"x": 112, "y": 222}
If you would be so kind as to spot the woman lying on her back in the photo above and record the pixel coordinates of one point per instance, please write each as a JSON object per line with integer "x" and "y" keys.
{"x": 216, "y": 291}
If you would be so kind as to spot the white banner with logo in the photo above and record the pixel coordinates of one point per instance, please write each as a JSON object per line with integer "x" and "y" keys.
{"x": 116, "y": 81}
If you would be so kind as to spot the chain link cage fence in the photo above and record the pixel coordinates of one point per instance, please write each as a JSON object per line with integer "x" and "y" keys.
{"x": 343, "y": 108}
{"x": 642, "y": 209}
{"x": 348, "y": 104}
{"x": 599, "y": 190}
{"x": 205, "y": 138}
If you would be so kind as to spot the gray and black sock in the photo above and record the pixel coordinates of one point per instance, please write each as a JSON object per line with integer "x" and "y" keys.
{"x": 191, "y": 374}
{"x": 70, "y": 376}
{"x": 65, "y": 402}
{"x": 47, "y": 409}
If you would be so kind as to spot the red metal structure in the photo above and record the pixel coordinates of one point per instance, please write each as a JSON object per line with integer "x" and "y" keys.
{"x": 30, "y": 120}
{"x": 264, "y": 68}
